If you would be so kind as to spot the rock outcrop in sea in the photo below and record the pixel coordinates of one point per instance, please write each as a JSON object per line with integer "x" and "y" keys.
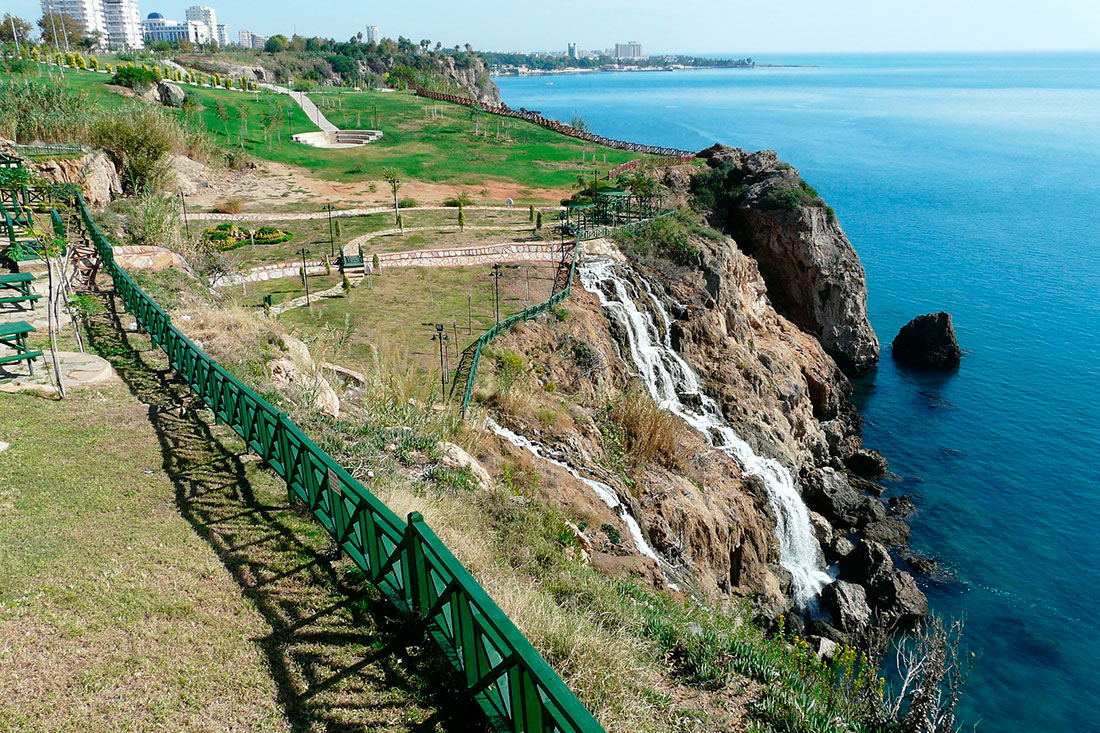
{"x": 928, "y": 341}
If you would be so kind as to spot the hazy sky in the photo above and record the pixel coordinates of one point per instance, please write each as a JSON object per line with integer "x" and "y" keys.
{"x": 736, "y": 28}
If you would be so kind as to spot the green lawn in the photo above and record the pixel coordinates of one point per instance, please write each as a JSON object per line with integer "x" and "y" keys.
{"x": 425, "y": 140}
{"x": 393, "y": 312}
{"x": 313, "y": 234}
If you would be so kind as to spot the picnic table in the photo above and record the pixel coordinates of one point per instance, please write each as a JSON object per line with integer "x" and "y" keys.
{"x": 14, "y": 336}
{"x": 20, "y": 283}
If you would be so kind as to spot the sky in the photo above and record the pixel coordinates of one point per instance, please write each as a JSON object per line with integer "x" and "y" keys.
{"x": 732, "y": 27}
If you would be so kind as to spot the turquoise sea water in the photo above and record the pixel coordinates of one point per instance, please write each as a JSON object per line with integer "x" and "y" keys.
{"x": 969, "y": 184}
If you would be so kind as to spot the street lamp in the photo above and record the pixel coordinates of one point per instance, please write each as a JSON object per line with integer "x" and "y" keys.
{"x": 441, "y": 336}
{"x": 305, "y": 275}
{"x": 186, "y": 226}
{"x": 331, "y": 245}
{"x": 496, "y": 274}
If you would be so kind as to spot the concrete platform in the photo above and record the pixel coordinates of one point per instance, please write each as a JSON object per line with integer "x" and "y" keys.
{"x": 78, "y": 370}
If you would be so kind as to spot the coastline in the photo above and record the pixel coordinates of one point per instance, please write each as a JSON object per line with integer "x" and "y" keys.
{"x": 576, "y": 71}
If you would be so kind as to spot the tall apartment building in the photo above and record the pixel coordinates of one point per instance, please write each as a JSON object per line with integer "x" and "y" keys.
{"x": 123, "y": 24}
{"x": 89, "y": 13}
{"x": 206, "y": 17}
{"x": 572, "y": 51}
{"x": 247, "y": 39}
{"x": 632, "y": 50}
{"x": 223, "y": 35}
{"x": 373, "y": 34}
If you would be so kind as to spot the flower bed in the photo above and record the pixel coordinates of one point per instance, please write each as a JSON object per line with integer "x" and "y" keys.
{"x": 228, "y": 236}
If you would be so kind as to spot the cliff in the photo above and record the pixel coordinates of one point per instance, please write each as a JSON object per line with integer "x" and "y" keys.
{"x": 813, "y": 274}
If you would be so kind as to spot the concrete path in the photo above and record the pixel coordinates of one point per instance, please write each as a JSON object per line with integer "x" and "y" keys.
{"x": 343, "y": 213}
{"x": 77, "y": 370}
{"x": 307, "y": 106}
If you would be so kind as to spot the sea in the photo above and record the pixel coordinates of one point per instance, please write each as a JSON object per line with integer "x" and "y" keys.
{"x": 968, "y": 184}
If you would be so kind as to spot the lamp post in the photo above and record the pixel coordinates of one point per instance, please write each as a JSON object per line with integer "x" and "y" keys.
{"x": 441, "y": 336}
{"x": 186, "y": 225}
{"x": 331, "y": 245}
{"x": 495, "y": 274}
{"x": 305, "y": 275}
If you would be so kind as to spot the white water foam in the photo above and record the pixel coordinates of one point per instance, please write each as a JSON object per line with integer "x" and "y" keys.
{"x": 669, "y": 378}
{"x": 607, "y": 494}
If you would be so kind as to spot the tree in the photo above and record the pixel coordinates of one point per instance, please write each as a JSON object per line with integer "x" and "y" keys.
{"x": 21, "y": 32}
{"x": 392, "y": 178}
{"x": 223, "y": 114}
{"x": 277, "y": 43}
{"x": 60, "y": 30}
{"x": 461, "y": 217}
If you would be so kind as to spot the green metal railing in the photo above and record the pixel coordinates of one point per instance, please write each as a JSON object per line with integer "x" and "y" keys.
{"x": 515, "y": 687}
{"x": 46, "y": 151}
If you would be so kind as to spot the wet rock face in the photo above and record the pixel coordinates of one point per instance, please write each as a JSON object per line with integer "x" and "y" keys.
{"x": 928, "y": 341}
{"x": 814, "y": 276}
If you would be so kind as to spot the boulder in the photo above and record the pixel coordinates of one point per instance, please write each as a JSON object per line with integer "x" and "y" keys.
{"x": 847, "y": 605}
{"x": 866, "y": 462}
{"x": 921, "y": 564}
{"x": 454, "y": 457}
{"x": 928, "y": 341}
{"x": 821, "y": 628}
{"x": 897, "y": 598}
{"x": 170, "y": 95}
{"x": 823, "y": 648}
{"x": 889, "y": 532}
{"x": 823, "y": 531}
{"x": 867, "y": 562}
{"x": 842, "y": 547}
{"x": 901, "y": 506}
{"x": 828, "y": 492}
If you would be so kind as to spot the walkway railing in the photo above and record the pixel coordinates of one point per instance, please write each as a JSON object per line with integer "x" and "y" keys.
{"x": 515, "y": 687}
{"x": 557, "y": 126}
{"x": 46, "y": 151}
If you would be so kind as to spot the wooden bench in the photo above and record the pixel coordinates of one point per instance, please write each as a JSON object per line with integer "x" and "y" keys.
{"x": 14, "y": 336}
{"x": 20, "y": 283}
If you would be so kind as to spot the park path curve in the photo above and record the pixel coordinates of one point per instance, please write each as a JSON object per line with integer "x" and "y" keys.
{"x": 342, "y": 213}
{"x": 307, "y": 106}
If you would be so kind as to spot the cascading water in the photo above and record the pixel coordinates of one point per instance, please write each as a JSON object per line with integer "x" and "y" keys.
{"x": 606, "y": 493}
{"x": 668, "y": 377}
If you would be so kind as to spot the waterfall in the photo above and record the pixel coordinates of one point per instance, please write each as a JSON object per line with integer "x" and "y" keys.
{"x": 606, "y": 494}
{"x": 668, "y": 378}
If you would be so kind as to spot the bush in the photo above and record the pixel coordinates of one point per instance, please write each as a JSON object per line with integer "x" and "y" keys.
{"x": 665, "y": 238}
{"x": 463, "y": 199}
{"x": 133, "y": 78}
{"x": 139, "y": 140}
{"x": 407, "y": 203}
{"x": 651, "y": 433}
{"x": 510, "y": 368}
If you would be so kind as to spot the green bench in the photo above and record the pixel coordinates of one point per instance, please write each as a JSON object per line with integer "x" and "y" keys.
{"x": 14, "y": 336}
{"x": 20, "y": 283}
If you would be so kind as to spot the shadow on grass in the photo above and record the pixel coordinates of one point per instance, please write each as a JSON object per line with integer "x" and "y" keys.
{"x": 340, "y": 655}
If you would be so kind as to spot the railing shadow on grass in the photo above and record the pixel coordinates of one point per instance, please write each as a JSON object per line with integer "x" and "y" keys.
{"x": 341, "y": 657}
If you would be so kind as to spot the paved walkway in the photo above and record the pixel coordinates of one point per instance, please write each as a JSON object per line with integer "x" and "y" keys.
{"x": 343, "y": 213}
{"x": 307, "y": 106}
{"x": 77, "y": 370}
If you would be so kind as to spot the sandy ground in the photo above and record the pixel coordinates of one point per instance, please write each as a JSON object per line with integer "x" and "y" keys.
{"x": 274, "y": 186}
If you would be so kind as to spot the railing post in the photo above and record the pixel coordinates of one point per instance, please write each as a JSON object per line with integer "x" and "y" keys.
{"x": 416, "y": 575}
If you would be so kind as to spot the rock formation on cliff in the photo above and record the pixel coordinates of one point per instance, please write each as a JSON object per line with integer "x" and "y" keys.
{"x": 813, "y": 273}
{"x": 928, "y": 341}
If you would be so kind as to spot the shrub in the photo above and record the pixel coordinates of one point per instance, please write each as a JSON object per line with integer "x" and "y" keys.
{"x": 462, "y": 199}
{"x": 587, "y": 356}
{"x": 132, "y": 78}
{"x": 510, "y": 368}
{"x": 666, "y": 238}
{"x": 651, "y": 433}
{"x": 232, "y": 205}
{"x": 407, "y": 203}
{"x": 139, "y": 139}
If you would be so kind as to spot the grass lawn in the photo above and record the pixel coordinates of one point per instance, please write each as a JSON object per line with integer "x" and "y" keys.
{"x": 313, "y": 234}
{"x": 394, "y": 312}
{"x": 425, "y": 140}
{"x": 114, "y": 613}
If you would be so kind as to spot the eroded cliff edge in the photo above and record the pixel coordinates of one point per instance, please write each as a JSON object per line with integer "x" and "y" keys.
{"x": 772, "y": 351}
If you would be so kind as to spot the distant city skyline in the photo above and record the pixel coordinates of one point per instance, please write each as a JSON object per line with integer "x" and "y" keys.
{"x": 690, "y": 26}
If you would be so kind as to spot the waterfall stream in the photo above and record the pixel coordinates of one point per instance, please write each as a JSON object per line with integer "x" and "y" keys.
{"x": 669, "y": 378}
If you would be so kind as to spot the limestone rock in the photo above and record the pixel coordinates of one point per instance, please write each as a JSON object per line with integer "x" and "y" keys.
{"x": 865, "y": 564}
{"x": 814, "y": 276}
{"x": 95, "y": 173}
{"x": 828, "y": 492}
{"x": 454, "y": 457}
{"x": 898, "y": 599}
{"x": 170, "y": 95}
{"x": 847, "y": 605}
{"x": 866, "y": 462}
{"x": 928, "y": 341}
{"x": 889, "y": 532}
{"x": 823, "y": 648}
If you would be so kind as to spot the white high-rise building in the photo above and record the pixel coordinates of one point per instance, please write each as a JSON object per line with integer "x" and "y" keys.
{"x": 89, "y": 13}
{"x": 223, "y": 35}
{"x": 123, "y": 24}
{"x": 207, "y": 17}
{"x": 158, "y": 28}
{"x": 373, "y": 35}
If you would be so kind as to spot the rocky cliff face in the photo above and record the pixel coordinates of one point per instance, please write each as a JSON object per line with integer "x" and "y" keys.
{"x": 95, "y": 173}
{"x": 474, "y": 79}
{"x": 813, "y": 273}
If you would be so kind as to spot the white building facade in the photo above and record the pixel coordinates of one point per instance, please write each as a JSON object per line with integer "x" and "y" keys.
{"x": 89, "y": 13}
{"x": 123, "y": 24}
{"x": 206, "y": 17}
{"x": 156, "y": 28}
{"x": 373, "y": 34}
{"x": 223, "y": 35}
